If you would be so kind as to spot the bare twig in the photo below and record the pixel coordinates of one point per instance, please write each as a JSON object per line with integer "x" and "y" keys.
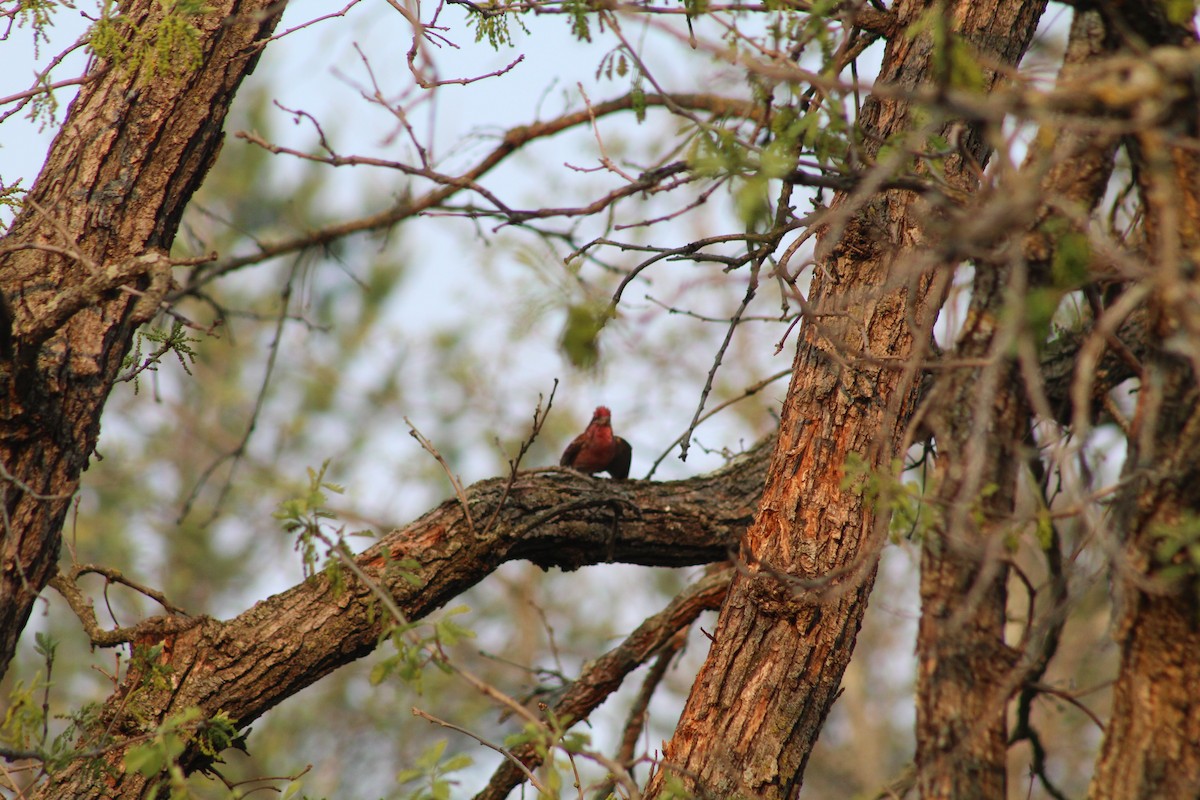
{"x": 235, "y": 456}
{"x": 511, "y": 759}
{"x": 735, "y": 320}
{"x": 539, "y": 419}
{"x": 749, "y": 391}
{"x": 455, "y": 482}
{"x": 604, "y": 675}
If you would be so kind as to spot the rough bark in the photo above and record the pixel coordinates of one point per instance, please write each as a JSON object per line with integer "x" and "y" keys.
{"x": 977, "y": 420}
{"x": 246, "y": 665}
{"x": 979, "y": 417}
{"x": 655, "y": 639}
{"x": 779, "y": 650}
{"x": 84, "y": 264}
{"x": 249, "y": 664}
{"x": 1152, "y": 743}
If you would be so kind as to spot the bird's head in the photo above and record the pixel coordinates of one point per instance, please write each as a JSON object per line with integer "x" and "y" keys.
{"x": 601, "y": 416}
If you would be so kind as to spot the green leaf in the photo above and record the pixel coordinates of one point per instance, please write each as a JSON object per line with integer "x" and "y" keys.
{"x": 1041, "y": 305}
{"x": 578, "y": 10}
{"x": 576, "y": 742}
{"x": 456, "y": 763}
{"x": 406, "y": 775}
{"x": 517, "y": 739}
{"x": 1180, "y": 12}
{"x": 581, "y": 335}
{"x": 751, "y": 202}
{"x": 45, "y": 644}
{"x": 432, "y": 754}
{"x": 637, "y": 99}
{"x": 1045, "y": 528}
{"x": 965, "y": 70}
{"x": 1072, "y": 260}
{"x": 145, "y": 759}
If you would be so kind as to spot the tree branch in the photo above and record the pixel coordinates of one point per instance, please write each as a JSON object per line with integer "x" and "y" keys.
{"x": 553, "y": 517}
{"x": 604, "y": 675}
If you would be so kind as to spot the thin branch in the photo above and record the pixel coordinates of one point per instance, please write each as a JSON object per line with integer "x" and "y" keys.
{"x": 260, "y": 400}
{"x": 749, "y": 391}
{"x": 604, "y": 675}
{"x": 511, "y": 759}
{"x": 66, "y": 585}
{"x": 735, "y": 320}
{"x": 539, "y": 419}
{"x": 511, "y": 142}
{"x": 455, "y": 481}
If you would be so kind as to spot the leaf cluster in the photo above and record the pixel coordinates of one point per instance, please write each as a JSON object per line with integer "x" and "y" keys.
{"x": 491, "y": 24}
{"x": 177, "y": 340}
{"x": 433, "y": 771}
{"x": 1176, "y": 555}
{"x": 304, "y": 514}
{"x": 160, "y": 754}
{"x": 168, "y": 48}
{"x": 418, "y": 645}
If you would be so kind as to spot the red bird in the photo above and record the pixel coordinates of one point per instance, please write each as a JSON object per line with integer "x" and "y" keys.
{"x": 597, "y": 450}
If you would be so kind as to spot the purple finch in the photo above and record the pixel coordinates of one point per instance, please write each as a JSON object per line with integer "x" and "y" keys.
{"x": 597, "y": 450}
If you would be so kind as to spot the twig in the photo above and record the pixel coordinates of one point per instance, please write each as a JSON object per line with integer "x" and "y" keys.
{"x": 539, "y": 419}
{"x": 511, "y": 142}
{"x": 459, "y": 492}
{"x": 65, "y": 585}
{"x": 750, "y": 391}
{"x": 491, "y": 745}
{"x": 236, "y": 454}
{"x": 635, "y": 721}
{"x": 604, "y": 675}
{"x": 25, "y": 488}
{"x": 604, "y": 159}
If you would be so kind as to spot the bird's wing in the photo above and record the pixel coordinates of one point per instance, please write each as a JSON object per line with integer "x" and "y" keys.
{"x": 568, "y": 456}
{"x": 619, "y": 466}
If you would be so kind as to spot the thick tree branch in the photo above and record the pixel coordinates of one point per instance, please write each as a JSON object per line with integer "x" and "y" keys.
{"x": 246, "y": 665}
{"x": 552, "y": 517}
{"x": 980, "y": 418}
{"x": 1152, "y": 743}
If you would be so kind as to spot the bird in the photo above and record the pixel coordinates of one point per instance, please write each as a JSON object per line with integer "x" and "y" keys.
{"x": 598, "y": 450}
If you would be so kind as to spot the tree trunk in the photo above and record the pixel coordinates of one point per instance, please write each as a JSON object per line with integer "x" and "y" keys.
{"x": 1152, "y": 744}
{"x": 788, "y": 626}
{"x": 84, "y": 264}
{"x": 979, "y": 419}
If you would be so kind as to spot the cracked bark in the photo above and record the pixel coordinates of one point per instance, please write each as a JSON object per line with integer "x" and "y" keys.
{"x": 96, "y": 223}
{"x": 980, "y": 417}
{"x": 780, "y": 650}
